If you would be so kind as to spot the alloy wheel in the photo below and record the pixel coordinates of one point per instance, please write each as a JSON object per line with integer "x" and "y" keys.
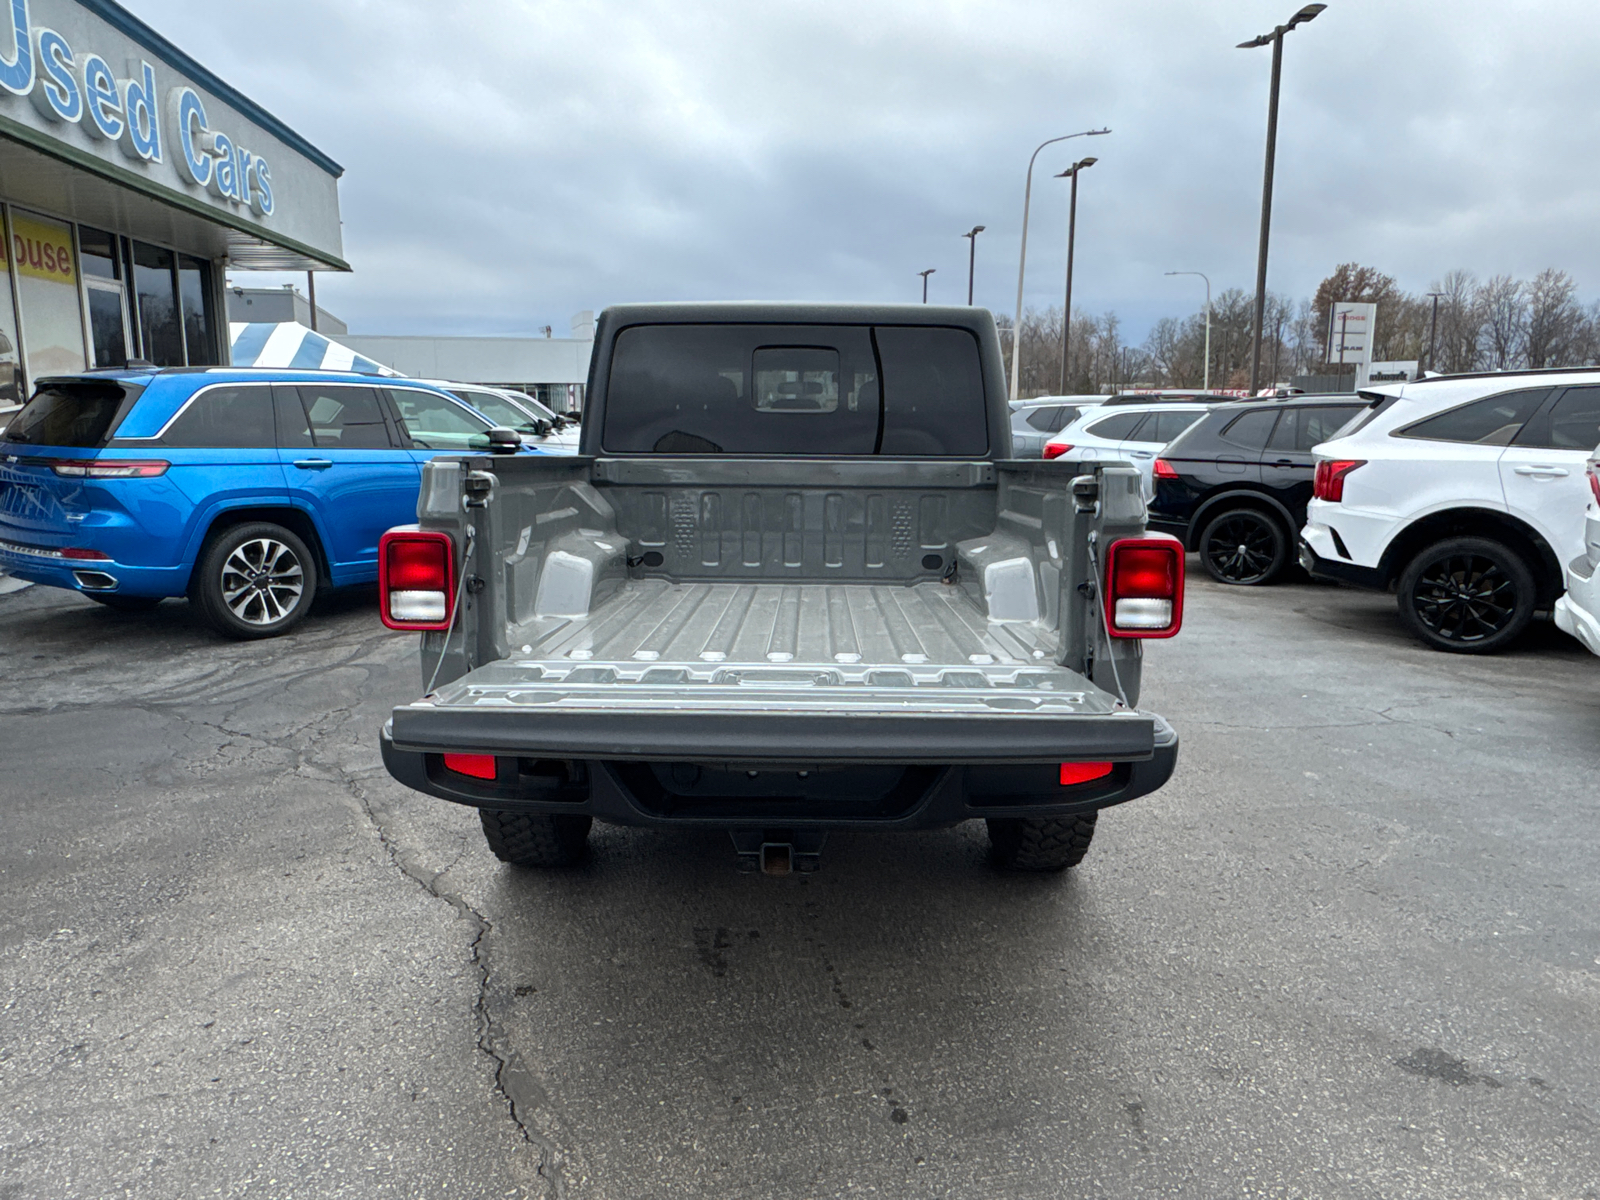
{"x": 262, "y": 581}
{"x": 1242, "y": 548}
{"x": 1464, "y": 598}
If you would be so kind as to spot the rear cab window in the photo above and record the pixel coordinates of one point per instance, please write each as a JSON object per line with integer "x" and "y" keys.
{"x": 81, "y": 415}
{"x": 795, "y": 389}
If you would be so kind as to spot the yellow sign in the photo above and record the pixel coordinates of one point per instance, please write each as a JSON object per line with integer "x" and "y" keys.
{"x": 42, "y": 249}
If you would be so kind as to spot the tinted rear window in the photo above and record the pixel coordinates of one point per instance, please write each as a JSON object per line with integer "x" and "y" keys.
{"x": 1115, "y": 428}
{"x": 81, "y": 415}
{"x": 1490, "y": 422}
{"x": 801, "y": 389}
{"x": 226, "y": 417}
{"x": 1250, "y": 431}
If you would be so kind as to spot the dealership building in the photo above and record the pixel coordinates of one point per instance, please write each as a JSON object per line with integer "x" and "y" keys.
{"x": 131, "y": 179}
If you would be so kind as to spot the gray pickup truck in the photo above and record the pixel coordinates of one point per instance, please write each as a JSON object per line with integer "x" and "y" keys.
{"x": 792, "y": 583}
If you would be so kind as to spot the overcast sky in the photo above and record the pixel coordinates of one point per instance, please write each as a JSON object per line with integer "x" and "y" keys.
{"x": 508, "y": 163}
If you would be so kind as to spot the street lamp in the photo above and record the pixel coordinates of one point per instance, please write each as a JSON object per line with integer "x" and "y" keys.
{"x": 1207, "y": 384}
{"x": 1022, "y": 258}
{"x": 1433, "y": 331}
{"x": 972, "y": 256}
{"x": 1275, "y": 39}
{"x": 925, "y": 275}
{"x": 1072, "y": 233}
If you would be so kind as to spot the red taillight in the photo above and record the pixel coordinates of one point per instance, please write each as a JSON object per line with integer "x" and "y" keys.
{"x": 80, "y": 552}
{"x": 1165, "y": 470}
{"x": 416, "y": 579}
{"x": 479, "y": 766}
{"x": 1594, "y": 481}
{"x": 108, "y": 468}
{"x": 1328, "y": 483}
{"x": 1056, "y": 449}
{"x": 1144, "y": 586}
{"x": 1072, "y": 773}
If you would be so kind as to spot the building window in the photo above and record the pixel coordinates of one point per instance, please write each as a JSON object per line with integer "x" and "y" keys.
{"x": 11, "y": 385}
{"x": 156, "y": 286}
{"x": 103, "y": 290}
{"x": 199, "y": 312}
{"x": 47, "y": 293}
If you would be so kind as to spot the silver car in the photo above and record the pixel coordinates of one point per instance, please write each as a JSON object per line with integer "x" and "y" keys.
{"x": 1036, "y": 420}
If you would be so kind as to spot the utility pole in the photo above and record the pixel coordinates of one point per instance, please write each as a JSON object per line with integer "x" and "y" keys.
{"x": 311, "y": 287}
{"x": 1207, "y": 384}
{"x": 972, "y": 257}
{"x": 925, "y": 275}
{"x": 1275, "y": 38}
{"x": 1072, "y": 237}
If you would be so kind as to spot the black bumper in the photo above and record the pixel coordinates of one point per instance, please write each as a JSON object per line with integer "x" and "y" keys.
{"x": 922, "y": 788}
{"x": 1334, "y": 571}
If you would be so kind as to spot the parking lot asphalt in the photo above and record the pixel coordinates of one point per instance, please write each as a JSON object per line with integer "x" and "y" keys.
{"x": 1351, "y": 950}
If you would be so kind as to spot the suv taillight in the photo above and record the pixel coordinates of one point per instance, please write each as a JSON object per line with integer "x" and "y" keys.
{"x": 108, "y": 468}
{"x": 1165, "y": 470}
{"x": 1593, "y": 471}
{"x": 1056, "y": 449}
{"x": 416, "y": 579}
{"x": 1144, "y": 586}
{"x": 1328, "y": 484}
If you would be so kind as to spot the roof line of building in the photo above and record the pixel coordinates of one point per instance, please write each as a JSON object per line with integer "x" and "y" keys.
{"x": 125, "y": 22}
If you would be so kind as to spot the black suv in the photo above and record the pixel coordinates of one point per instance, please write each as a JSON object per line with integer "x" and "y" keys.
{"x": 1234, "y": 485}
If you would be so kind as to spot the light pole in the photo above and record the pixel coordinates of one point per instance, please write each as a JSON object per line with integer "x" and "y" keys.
{"x": 1022, "y": 258}
{"x": 1072, "y": 236}
{"x": 1207, "y": 384}
{"x": 1275, "y": 39}
{"x": 925, "y": 275}
{"x": 972, "y": 256}
{"x": 1433, "y": 331}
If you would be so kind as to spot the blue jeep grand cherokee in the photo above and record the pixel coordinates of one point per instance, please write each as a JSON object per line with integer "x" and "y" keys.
{"x": 245, "y": 490}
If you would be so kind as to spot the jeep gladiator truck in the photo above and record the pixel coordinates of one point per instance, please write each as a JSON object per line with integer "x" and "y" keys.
{"x": 793, "y": 582}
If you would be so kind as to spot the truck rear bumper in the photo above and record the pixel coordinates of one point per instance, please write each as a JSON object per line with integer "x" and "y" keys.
{"x": 828, "y": 779}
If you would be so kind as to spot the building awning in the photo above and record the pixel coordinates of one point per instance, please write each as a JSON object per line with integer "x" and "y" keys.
{"x": 290, "y": 344}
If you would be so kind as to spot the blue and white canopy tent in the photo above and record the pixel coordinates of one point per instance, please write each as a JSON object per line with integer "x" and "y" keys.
{"x": 290, "y": 344}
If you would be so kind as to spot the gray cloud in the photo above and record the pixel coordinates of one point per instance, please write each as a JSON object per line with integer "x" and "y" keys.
{"x": 510, "y": 163}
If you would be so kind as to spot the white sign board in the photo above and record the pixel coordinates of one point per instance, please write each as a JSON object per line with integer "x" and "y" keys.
{"x": 1402, "y": 371}
{"x": 1350, "y": 331}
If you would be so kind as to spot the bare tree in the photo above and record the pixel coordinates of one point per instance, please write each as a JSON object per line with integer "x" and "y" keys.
{"x": 1555, "y": 323}
{"x": 1504, "y": 304}
{"x": 1460, "y": 323}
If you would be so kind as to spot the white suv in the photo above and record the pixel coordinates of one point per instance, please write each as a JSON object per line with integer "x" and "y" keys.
{"x": 1465, "y": 494}
{"x": 1133, "y": 433}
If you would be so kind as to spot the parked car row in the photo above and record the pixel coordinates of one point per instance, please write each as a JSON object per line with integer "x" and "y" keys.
{"x": 1465, "y": 495}
{"x": 243, "y": 489}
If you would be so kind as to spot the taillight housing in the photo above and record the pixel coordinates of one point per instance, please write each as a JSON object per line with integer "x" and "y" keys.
{"x": 1144, "y": 586}
{"x": 416, "y": 579}
{"x": 108, "y": 468}
{"x": 1328, "y": 483}
{"x": 475, "y": 766}
{"x": 1056, "y": 449}
{"x": 1593, "y": 471}
{"x": 1165, "y": 470}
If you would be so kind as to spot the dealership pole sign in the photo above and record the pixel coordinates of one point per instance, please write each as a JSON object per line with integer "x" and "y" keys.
{"x": 77, "y": 87}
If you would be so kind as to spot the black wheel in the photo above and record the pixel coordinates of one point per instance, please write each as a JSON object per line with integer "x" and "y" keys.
{"x": 1468, "y": 595}
{"x": 1244, "y": 546}
{"x": 254, "y": 581}
{"x": 1040, "y": 843}
{"x": 535, "y": 839}
{"x": 124, "y": 604}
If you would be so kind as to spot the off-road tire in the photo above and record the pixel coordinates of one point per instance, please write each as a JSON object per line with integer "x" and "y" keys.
{"x": 1467, "y": 595}
{"x": 206, "y": 588}
{"x": 1244, "y": 547}
{"x": 535, "y": 839}
{"x": 1040, "y": 843}
{"x": 124, "y": 604}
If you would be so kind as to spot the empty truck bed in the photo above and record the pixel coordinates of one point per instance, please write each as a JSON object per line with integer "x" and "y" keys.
{"x": 878, "y": 672}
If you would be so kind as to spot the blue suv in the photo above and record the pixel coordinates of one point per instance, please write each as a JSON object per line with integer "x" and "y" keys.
{"x": 245, "y": 490}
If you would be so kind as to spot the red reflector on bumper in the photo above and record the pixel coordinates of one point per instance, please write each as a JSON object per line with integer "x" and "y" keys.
{"x": 1072, "y": 773}
{"x": 479, "y": 766}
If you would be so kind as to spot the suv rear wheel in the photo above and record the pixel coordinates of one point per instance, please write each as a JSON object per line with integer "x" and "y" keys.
{"x": 254, "y": 580}
{"x": 535, "y": 839}
{"x": 1469, "y": 595}
{"x": 1244, "y": 546}
{"x": 1040, "y": 843}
